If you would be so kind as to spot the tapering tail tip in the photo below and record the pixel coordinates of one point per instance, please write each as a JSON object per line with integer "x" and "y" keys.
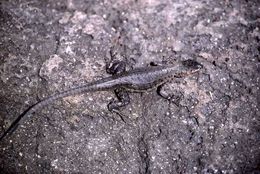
{"x": 10, "y": 130}
{"x": 2, "y": 136}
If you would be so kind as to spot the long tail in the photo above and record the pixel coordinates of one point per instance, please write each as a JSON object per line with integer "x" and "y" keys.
{"x": 78, "y": 90}
{"x": 15, "y": 123}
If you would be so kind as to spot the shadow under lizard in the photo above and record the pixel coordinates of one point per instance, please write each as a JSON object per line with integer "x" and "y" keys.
{"x": 138, "y": 80}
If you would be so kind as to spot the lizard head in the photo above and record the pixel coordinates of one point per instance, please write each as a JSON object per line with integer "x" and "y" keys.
{"x": 189, "y": 67}
{"x": 192, "y": 65}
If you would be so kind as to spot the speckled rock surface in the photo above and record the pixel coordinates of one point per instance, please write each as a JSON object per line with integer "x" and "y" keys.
{"x": 211, "y": 124}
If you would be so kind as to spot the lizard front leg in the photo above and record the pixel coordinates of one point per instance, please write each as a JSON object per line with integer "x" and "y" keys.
{"x": 175, "y": 97}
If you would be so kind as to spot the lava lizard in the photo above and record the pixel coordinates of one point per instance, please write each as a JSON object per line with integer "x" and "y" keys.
{"x": 138, "y": 80}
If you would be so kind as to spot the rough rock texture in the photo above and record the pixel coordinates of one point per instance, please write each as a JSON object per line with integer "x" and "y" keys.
{"x": 210, "y": 124}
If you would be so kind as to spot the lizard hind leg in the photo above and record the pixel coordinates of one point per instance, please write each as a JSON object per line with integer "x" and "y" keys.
{"x": 123, "y": 100}
{"x": 116, "y": 67}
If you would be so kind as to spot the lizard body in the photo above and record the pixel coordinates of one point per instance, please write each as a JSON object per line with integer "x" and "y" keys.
{"x": 139, "y": 80}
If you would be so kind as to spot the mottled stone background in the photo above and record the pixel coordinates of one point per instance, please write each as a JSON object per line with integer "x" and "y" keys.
{"x": 211, "y": 124}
